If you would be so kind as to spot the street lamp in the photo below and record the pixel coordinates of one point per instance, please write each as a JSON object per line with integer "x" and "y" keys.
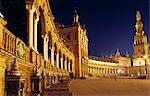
{"x": 145, "y": 58}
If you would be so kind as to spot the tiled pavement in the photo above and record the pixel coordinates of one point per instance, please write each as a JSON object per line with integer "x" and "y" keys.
{"x": 110, "y": 87}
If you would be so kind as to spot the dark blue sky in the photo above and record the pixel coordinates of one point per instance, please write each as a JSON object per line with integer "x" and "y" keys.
{"x": 110, "y": 23}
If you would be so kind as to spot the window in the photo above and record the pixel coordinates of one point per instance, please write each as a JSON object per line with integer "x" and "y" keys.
{"x": 68, "y": 36}
{"x": 76, "y": 36}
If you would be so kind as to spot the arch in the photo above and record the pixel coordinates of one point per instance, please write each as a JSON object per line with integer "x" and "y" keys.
{"x": 55, "y": 53}
{"x": 43, "y": 25}
{"x": 40, "y": 30}
{"x": 67, "y": 66}
{"x": 55, "y": 48}
{"x": 64, "y": 57}
{"x": 71, "y": 65}
{"x": 49, "y": 45}
{"x": 50, "y": 40}
{"x": 60, "y": 56}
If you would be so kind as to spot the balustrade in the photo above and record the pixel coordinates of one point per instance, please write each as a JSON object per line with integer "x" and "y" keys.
{"x": 11, "y": 44}
{"x": 8, "y": 43}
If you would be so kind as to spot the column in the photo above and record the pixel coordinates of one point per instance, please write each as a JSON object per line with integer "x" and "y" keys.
{"x": 61, "y": 62}
{"x": 30, "y": 27}
{"x": 36, "y": 19}
{"x": 52, "y": 56}
{"x": 57, "y": 59}
{"x": 65, "y": 64}
{"x": 45, "y": 48}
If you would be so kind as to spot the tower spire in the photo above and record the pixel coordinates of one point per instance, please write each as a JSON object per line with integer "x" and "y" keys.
{"x": 138, "y": 16}
{"x": 117, "y": 53}
{"x": 127, "y": 54}
{"x": 139, "y": 24}
{"x": 76, "y": 17}
{"x": 140, "y": 44}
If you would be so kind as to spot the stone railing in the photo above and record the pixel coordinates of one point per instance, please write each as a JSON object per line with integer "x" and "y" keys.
{"x": 8, "y": 41}
{"x": 11, "y": 44}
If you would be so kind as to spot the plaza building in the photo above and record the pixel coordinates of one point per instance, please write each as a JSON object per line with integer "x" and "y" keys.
{"x": 35, "y": 51}
{"x": 116, "y": 65}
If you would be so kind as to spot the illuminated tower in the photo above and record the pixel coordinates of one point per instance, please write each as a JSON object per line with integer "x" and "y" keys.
{"x": 75, "y": 38}
{"x": 140, "y": 45}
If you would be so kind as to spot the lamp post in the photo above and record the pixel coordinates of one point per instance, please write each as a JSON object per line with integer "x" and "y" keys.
{"x": 145, "y": 58}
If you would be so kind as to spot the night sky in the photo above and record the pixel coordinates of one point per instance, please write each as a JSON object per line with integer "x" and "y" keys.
{"x": 110, "y": 23}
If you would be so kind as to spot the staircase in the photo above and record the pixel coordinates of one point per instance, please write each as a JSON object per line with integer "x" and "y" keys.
{"x": 59, "y": 89}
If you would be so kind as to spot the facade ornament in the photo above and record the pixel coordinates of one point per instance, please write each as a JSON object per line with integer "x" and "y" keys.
{"x": 20, "y": 49}
{"x": 29, "y": 4}
{"x": 138, "y": 16}
{"x": 76, "y": 17}
{"x": 139, "y": 24}
{"x": 14, "y": 71}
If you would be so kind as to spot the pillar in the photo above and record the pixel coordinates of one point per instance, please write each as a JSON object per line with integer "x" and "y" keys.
{"x": 65, "y": 64}
{"x": 30, "y": 27}
{"x": 45, "y": 48}
{"x": 52, "y": 55}
{"x": 61, "y": 62}
{"x": 36, "y": 19}
{"x": 57, "y": 59}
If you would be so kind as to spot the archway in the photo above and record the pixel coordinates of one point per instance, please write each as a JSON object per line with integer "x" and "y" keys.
{"x": 60, "y": 56}
{"x": 40, "y": 31}
{"x": 55, "y": 54}
{"x": 49, "y": 45}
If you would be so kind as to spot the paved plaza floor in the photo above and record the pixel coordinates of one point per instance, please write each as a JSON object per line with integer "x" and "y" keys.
{"x": 110, "y": 87}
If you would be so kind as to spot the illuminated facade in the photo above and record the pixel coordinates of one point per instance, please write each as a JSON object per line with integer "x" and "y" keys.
{"x": 63, "y": 51}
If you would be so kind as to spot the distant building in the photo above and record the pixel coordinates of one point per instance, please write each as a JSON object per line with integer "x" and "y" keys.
{"x": 110, "y": 66}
